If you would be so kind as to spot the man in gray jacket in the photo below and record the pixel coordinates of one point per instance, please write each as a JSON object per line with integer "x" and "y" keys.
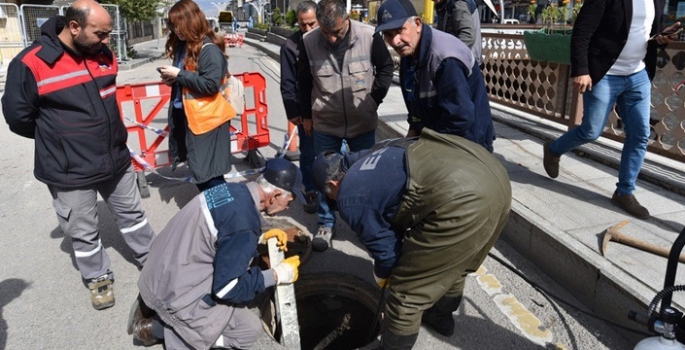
{"x": 200, "y": 269}
{"x": 345, "y": 72}
{"x": 461, "y": 19}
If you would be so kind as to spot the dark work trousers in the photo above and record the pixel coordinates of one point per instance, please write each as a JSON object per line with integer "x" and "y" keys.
{"x": 455, "y": 207}
{"x": 77, "y": 213}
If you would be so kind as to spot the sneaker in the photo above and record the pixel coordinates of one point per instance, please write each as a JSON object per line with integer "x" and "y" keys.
{"x": 550, "y": 161}
{"x": 312, "y": 205}
{"x": 322, "y": 239}
{"x": 101, "y": 292}
{"x": 629, "y": 203}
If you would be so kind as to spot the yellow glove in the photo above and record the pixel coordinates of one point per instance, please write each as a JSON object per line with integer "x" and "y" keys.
{"x": 278, "y": 234}
{"x": 287, "y": 271}
{"x": 382, "y": 282}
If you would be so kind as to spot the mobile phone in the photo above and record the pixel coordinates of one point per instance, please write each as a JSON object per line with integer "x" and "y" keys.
{"x": 159, "y": 69}
{"x": 668, "y": 33}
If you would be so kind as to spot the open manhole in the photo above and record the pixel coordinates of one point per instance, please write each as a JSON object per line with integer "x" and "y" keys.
{"x": 335, "y": 312}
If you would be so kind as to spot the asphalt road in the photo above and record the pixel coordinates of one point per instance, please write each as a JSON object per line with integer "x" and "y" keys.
{"x": 44, "y": 305}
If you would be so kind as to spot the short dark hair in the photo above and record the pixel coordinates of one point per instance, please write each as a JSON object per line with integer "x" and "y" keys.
{"x": 78, "y": 14}
{"x": 305, "y": 6}
{"x": 329, "y": 12}
{"x": 327, "y": 166}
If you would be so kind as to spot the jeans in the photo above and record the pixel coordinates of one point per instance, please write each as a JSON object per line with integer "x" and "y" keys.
{"x": 307, "y": 156}
{"x": 324, "y": 142}
{"x": 632, "y": 95}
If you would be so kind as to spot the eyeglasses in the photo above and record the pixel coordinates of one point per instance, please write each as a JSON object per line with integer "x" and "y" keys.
{"x": 171, "y": 26}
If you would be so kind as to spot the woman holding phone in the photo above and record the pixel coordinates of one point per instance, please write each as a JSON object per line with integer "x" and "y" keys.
{"x": 199, "y": 65}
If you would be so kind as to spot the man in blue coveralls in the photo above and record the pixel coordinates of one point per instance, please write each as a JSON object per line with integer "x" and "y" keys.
{"x": 428, "y": 211}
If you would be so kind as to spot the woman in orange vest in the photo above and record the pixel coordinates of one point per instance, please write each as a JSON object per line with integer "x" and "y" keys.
{"x": 199, "y": 64}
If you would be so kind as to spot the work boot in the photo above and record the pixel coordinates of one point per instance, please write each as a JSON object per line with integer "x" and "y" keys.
{"x": 138, "y": 311}
{"x": 550, "y": 161}
{"x": 629, "y": 203}
{"x": 140, "y": 323}
{"x": 312, "y": 205}
{"x": 142, "y": 331}
{"x": 322, "y": 239}
{"x": 392, "y": 341}
{"x": 101, "y": 292}
{"x": 439, "y": 316}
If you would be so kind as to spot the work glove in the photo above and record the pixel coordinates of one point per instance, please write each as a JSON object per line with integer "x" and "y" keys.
{"x": 280, "y": 235}
{"x": 382, "y": 282}
{"x": 287, "y": 271}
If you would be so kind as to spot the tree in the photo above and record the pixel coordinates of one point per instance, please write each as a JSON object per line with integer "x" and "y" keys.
{"x": 276, "y": 17}
{"x": 291, "y": 17}
{"x": 137, "y": 10}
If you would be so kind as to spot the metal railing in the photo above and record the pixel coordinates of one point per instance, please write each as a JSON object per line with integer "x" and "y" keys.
{"x": 22, "y": 27}
{"x": 11, "y": 40}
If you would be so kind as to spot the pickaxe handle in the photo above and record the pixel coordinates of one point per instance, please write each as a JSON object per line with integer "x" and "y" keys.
{"x": 618, "y": 237}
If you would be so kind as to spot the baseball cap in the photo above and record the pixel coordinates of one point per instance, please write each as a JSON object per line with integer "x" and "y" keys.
{"x": 393, "y": 13}
{"x": 286, "y": 175}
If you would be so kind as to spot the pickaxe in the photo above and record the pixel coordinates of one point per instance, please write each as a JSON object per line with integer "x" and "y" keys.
{"x": 613, "y": 234}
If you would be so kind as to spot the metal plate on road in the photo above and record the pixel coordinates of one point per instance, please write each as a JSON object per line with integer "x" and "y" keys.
{"x": 286, "y": 306}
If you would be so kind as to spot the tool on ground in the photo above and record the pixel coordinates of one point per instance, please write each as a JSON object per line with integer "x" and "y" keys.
{"x": 286, "y": 306}
{"x": 286, "y": 144}
{"x": 333, "y": 335}
{"x": 379, "y": 309}
{"x": 613, "y": 234}
{"x": 668, "y": 324}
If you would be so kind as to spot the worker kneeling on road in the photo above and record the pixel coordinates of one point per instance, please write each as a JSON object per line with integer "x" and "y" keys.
{"x": 428, "y": 210}
{"x": 200, "y": 270}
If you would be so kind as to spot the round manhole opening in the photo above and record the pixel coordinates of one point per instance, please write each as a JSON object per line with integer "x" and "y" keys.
{"x": 334, "y": 311}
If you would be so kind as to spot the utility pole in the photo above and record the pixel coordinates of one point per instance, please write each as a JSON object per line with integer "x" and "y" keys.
{"x": 220, "y": 6}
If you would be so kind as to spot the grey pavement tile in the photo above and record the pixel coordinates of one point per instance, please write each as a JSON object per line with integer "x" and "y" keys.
{"x": 503, "y": 143}
{"x": 660, "y": 202}
{"x": 505, "y": 132}
{"x": 565, "y": 206}
{"x": 643, "y": 266}
{"x": 511, "y": 165}
{"x": 579, "y": 169}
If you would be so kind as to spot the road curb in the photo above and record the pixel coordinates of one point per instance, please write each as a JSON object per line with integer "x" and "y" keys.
{"x": 128, "y": 65}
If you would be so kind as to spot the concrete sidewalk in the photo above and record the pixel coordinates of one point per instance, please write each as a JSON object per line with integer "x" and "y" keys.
{"x": 559, "y": 223}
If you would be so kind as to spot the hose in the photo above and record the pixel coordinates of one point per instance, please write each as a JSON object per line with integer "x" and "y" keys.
{"x": 660, "y": 295}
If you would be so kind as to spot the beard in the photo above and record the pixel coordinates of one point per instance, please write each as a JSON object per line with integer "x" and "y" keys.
{"x": 86, "y": 48}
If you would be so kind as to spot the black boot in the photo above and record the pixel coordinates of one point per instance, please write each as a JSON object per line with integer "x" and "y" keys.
{"x": 439, "y": 316}
{"x": 141, "y": 323}
{"x": 392, "y": 341}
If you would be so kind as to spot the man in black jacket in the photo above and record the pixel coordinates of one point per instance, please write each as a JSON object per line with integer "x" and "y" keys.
{"x": 306, "y": 20}
{"x": 613, "y": 59}
{"x": 64, "y": 97}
